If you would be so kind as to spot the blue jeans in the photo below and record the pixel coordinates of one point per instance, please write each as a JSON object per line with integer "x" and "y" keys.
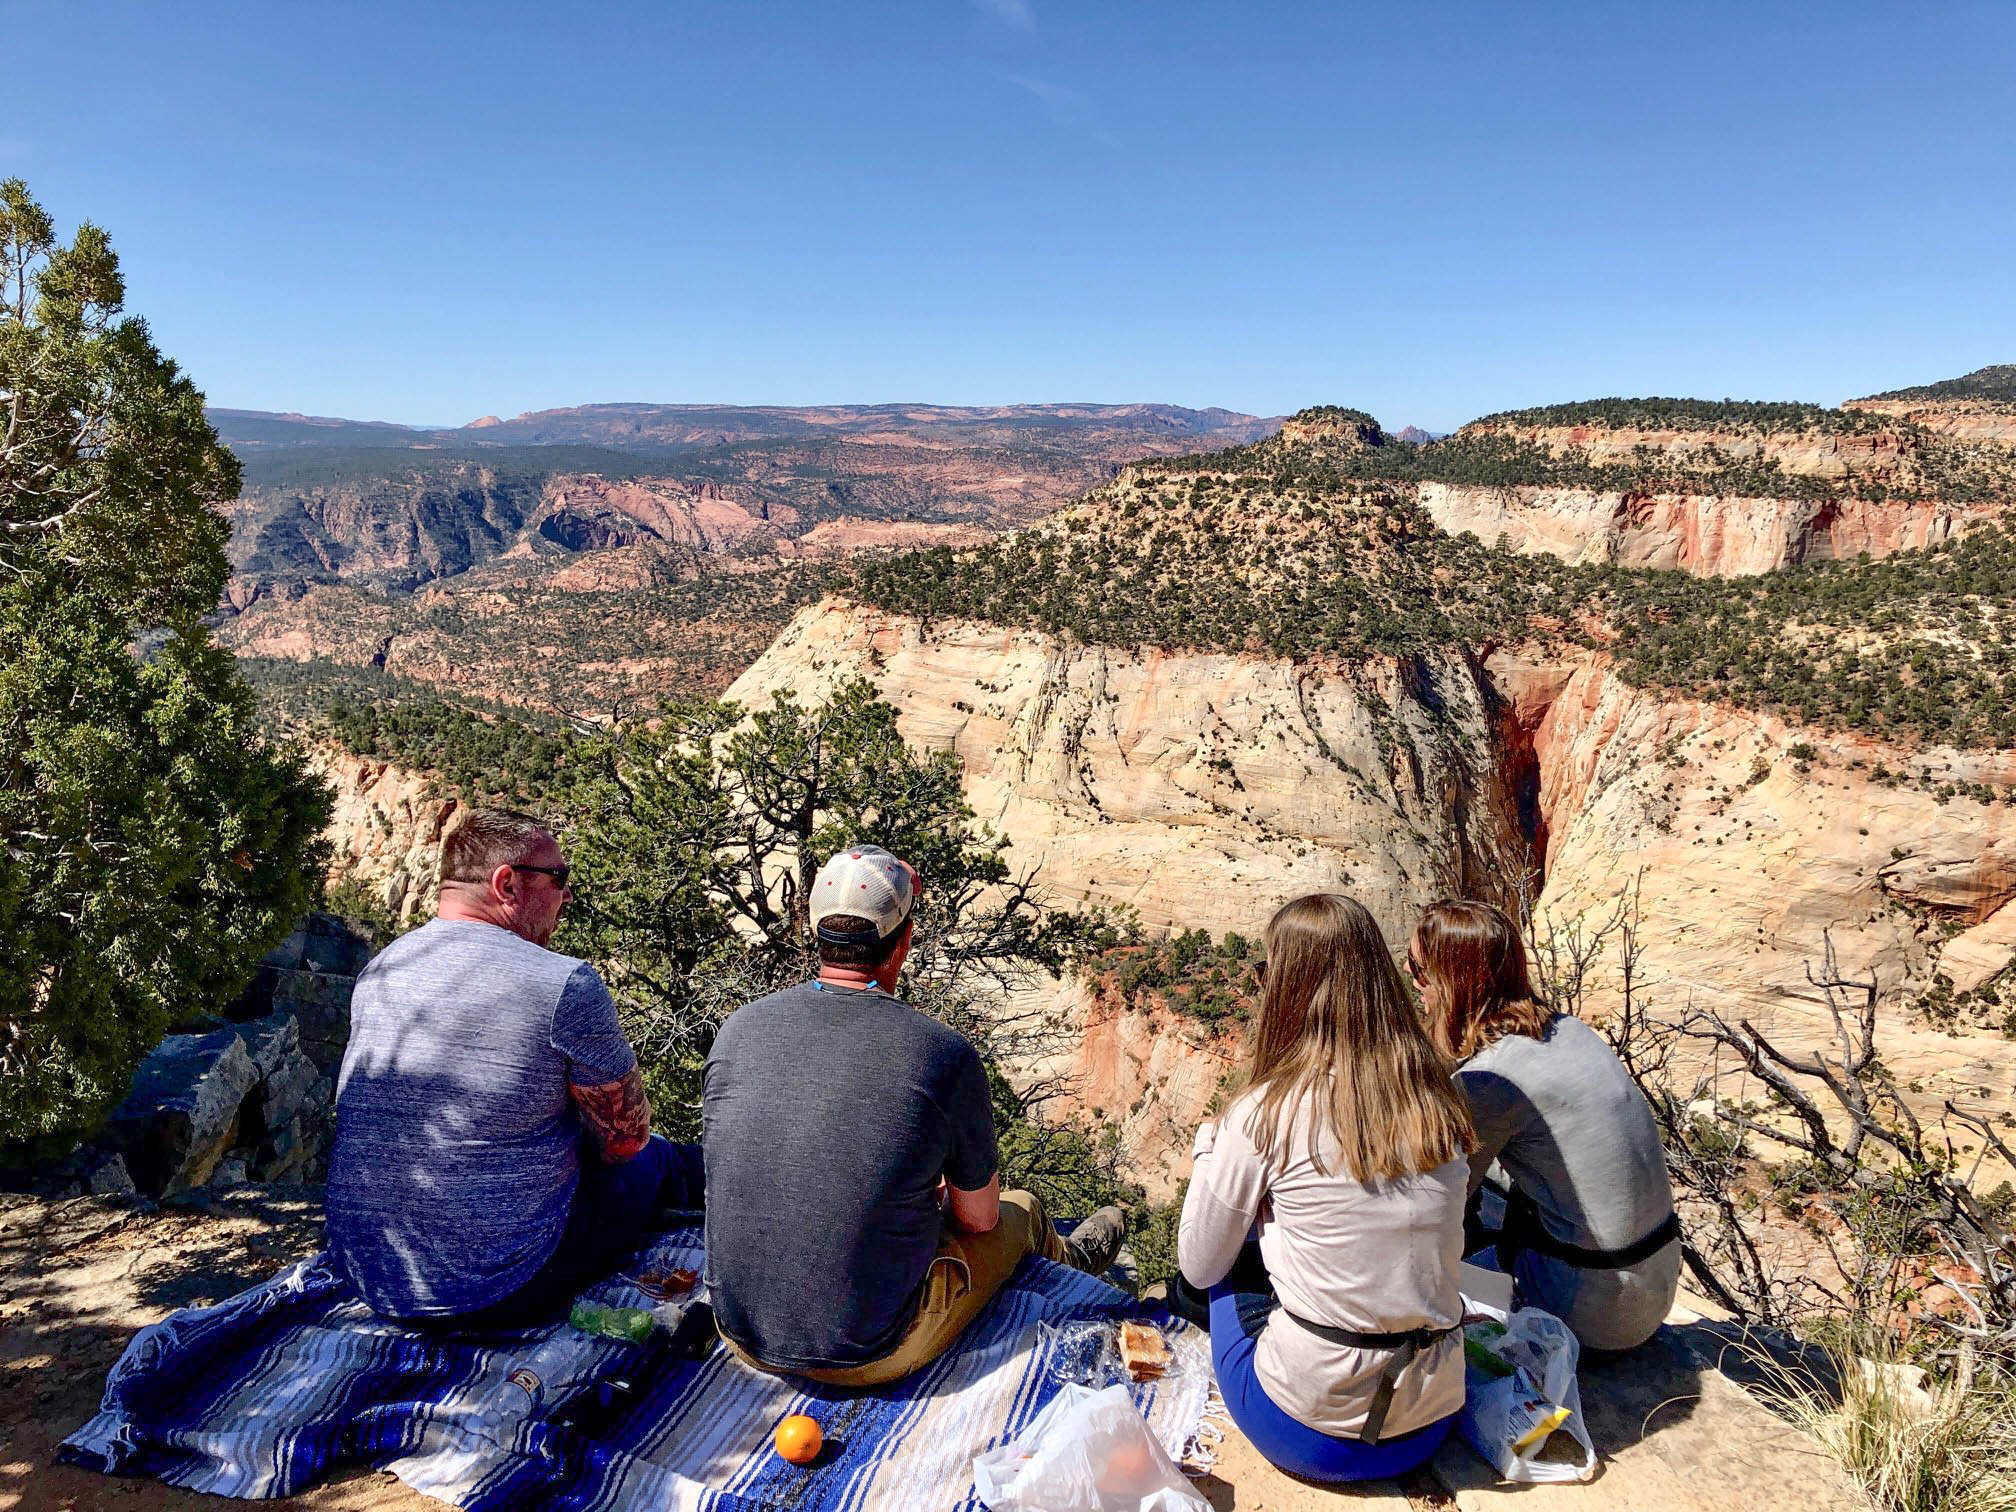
{"x": 1287, "y": 1443}
{"x": 616, "y": 1209}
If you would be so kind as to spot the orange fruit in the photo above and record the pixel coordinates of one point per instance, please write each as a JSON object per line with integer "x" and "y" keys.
{"x": 799, "y": 1439}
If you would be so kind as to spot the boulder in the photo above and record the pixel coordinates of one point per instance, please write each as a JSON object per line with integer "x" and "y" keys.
{"x": 286, "y": 1073}
{"x": 320, "y": 1004}
{"x": 181, "y": 1113}
{"x": 270, "y": 1040}
{"x": 323, "y": 943}
{"x": 283, "y": 1096}
{"x": 105, "y": 1175}
{"x": 284, "y": 1153}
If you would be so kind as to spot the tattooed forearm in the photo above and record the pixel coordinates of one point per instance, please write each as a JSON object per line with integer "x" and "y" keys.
{"x": 617, "y": 1113}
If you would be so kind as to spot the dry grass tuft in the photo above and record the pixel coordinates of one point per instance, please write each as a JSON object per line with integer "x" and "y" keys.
{"x": 1912, "y": 1445}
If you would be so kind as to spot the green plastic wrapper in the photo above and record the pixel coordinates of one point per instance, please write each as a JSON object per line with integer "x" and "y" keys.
{"x": 631, "y": 1324}
{"x": 1478, "y": 1342}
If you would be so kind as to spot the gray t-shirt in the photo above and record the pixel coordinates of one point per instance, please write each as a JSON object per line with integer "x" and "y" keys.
{"x": 1565, "y": 1122}
{"x": 457, "y": 1144}
{"x": 828, "y": 1114}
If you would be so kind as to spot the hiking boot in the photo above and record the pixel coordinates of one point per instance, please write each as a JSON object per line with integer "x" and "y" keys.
{"x": 1093, "y": 1244}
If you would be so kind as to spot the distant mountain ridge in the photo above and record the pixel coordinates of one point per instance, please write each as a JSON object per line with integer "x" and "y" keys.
{"x": 638, "y": 426}
{"x": 390, "y": 507}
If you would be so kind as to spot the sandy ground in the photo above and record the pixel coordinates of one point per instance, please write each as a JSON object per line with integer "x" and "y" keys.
{"x": 78, "y": 1278}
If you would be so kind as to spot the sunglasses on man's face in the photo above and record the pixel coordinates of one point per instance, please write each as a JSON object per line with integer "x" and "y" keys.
{"x": 559, "y": 874}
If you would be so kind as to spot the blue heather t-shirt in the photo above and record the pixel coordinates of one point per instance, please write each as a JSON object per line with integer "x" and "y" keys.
{"x": 829, "y": 1113}
{"x": 457, "y": 1146}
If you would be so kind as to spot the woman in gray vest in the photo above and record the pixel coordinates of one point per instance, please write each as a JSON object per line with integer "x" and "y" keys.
{"x": 1590, "y": 1234}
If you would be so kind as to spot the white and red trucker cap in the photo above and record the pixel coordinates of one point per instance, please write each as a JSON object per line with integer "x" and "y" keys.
{"x": 864, "y": 880}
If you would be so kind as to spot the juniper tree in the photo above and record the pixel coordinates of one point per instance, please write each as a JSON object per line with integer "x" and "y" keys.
{"x": 152, "y": 846}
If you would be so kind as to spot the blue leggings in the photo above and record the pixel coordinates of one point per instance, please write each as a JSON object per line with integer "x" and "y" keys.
{"x": 1291, "y": 1445}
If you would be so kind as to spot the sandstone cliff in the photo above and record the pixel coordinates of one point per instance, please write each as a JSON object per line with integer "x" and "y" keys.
{"x": 1144, "y": 1079}
{"x": 1190, "y": 788}
{"x": 1709, "y": 535}
{"x": 1875, "y": 452}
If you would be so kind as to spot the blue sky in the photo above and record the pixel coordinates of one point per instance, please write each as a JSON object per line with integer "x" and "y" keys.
{"x": 429, "y": 212}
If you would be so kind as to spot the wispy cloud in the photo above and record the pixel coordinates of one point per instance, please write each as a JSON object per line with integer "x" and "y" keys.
{"x": 1010, "y": 13}
{"x": 1068, "y": 107}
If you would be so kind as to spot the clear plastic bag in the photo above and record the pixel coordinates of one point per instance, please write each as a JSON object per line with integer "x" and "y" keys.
{"x": 1083, "y": 1352}
{"x": 1513, "y": 1401}
{"x": 1088, "y": 1451}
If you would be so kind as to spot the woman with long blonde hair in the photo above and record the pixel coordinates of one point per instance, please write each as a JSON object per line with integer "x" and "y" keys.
{"x": 1589, "y": 1231}
{"x": 1345, "y": 1153}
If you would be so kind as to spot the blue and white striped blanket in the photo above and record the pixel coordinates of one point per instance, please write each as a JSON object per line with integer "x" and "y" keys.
{"x": 263, "y": 1394}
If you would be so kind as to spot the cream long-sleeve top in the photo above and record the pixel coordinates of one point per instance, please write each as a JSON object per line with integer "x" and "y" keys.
{"x": 1372, "y": 1259}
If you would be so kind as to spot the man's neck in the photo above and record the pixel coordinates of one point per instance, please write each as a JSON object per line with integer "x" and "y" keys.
{"x": 858, "y": 978}
{"x": 470, "y": 911}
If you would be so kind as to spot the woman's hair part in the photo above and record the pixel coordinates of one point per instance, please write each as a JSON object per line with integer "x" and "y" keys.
{"x": 1471, "y": 966}
{"x": 1338, "y": 1034}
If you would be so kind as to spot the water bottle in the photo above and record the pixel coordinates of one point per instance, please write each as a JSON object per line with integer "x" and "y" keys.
{"x": 538, "y": 1379}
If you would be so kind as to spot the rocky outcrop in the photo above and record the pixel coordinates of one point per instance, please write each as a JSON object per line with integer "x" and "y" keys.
{"x": 223, "y": 1107}
{"x": 386, "y": 829}
{"x": 1708, "y": 535}
{"x": 1988, "y": 421}
{"x": 182, "y": 1112}
{"x": 1197, "y": 790}
{"x": 1328, "y": 425}
{"x": 252, "y": 1099}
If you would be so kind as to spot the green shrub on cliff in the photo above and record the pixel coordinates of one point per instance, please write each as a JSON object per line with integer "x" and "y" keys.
{"x": 152, "y": 845}
{"x": 1995, "y": 384}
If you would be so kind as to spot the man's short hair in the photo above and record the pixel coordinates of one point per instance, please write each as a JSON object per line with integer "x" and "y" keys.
{"x": 487, "y": 839}
{"x": 850, "y": 940}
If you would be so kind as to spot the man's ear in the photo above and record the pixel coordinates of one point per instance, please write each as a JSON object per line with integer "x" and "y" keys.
{"x": 504, "y": 883}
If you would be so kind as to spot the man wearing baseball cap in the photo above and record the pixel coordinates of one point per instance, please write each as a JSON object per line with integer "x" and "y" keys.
{"x": 855, "y": 1218}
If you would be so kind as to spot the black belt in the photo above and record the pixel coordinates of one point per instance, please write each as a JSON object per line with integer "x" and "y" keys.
{"x": 1405, "y": 1345}
{"x": 1524, "y": 1231}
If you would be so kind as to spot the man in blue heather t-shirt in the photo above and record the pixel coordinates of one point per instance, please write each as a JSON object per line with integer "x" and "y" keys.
{"x": 493, "y": 1147}
{"x": 855, "y": 1218}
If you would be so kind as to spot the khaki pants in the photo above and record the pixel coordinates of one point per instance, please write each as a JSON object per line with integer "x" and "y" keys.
{"x": 964, "y": 1276}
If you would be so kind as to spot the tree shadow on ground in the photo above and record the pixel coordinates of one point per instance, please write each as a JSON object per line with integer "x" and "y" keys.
{"x": 79, "y": 1278}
